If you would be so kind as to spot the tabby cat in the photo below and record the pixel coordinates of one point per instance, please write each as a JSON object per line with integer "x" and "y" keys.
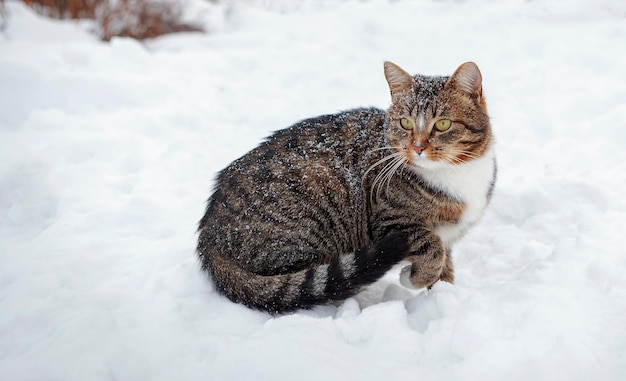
{"x": 330, "y": 204}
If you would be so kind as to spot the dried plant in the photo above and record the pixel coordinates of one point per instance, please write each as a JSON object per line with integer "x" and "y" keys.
{"x": 139, "y": 19}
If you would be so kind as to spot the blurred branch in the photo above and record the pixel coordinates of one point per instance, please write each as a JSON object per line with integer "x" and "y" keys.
{"x": 139, "y": 19}
{"x": 61, "y": 9}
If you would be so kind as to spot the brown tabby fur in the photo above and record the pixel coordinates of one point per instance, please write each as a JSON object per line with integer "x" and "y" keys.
{"x": 330, "y": 204}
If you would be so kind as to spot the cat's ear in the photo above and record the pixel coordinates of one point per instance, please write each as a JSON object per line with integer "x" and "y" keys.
{"x": 397, "y": 78}
{"x": 467, "y": 78}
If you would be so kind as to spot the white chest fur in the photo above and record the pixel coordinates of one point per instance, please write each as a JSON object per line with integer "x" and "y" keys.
{"x": 469, "y": 183}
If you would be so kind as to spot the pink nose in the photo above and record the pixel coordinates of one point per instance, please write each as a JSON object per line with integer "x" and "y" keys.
{"x": 418, "y": 149}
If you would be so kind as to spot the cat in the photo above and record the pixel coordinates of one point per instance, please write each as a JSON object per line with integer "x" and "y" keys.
{"x": 327, "y": 206}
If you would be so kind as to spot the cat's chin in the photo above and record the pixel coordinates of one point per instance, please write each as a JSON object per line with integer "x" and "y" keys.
{"x": 425, "y": 164}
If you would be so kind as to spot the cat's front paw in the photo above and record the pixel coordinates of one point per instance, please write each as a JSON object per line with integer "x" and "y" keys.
{"x": 410, "y": 278}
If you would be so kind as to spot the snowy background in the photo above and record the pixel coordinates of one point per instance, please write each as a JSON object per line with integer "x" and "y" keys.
{"x": 108, "y": 152}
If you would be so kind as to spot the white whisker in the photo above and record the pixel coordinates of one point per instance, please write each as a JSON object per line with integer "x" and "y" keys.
{"x": 393, "y": 170}
{"x": 390, "y": 162}
{"x": 454, "y": 151}
{"x": 379, "y": 179}
{"x": 381, "y": 161}
{"x": 385, "y": 175}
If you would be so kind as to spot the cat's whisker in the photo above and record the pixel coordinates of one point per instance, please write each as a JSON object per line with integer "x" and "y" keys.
{"x": 452, "y": 159}
{"x": 387, "y": 179}
{"x": 445, "y": 159}
{"x": 383, "y": 175}
{"x": 469, "y": 154}
{"x": 450, "y": 164}
{"x": 456, "y": 150}
{"x": 381, "y": 161}
{"x": 400, "y": 162}
{"x": 455, "y": 161}
{"x": 450, "y": 156}
{"x": 380, "y": 178}
{"x": 387, "y": 171}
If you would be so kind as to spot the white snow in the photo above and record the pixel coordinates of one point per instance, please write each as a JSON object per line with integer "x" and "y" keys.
{"x": 108, "y": 151}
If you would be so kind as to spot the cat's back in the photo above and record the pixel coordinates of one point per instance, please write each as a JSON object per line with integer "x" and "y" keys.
{"x": 332, "y": 134}
{"x": 304, "y": 178}
{"x": 309, "y": 148}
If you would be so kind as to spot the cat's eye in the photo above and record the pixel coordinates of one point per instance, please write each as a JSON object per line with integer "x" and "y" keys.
{"x": 407, "y": 124}
{"x": 443, "y": 124}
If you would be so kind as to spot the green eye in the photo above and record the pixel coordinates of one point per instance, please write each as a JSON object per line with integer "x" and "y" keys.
{"x": 407, "y": 124}
{"x": 443, "y": 124}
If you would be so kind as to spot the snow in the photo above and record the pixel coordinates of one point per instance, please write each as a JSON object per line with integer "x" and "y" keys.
{"x": 108, "y": 152}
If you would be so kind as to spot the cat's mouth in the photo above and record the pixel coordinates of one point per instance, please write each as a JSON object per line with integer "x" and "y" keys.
{"x": 419, "y": 156}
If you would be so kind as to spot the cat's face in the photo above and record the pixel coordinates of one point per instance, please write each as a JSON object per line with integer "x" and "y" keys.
{"x": 436, "y": 122}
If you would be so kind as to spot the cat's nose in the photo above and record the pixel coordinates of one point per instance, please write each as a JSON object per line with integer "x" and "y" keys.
{"x": 419, "y": 149}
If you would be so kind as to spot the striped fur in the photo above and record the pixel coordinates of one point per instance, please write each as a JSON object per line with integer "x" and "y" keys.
{"x": 324, "y": 283}
{"x": 330, "y": 204}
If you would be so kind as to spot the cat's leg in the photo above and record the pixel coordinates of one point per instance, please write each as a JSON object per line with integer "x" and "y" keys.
{"x": 447, "y": 275}
{"x": 429, "y": 261}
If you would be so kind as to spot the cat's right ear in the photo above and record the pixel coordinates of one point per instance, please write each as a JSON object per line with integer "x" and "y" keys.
{"x": 397, "y": 78}
{"x": 468, "y": 79}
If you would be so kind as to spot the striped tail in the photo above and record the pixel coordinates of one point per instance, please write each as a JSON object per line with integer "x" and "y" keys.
{"x": 337, "y": 280}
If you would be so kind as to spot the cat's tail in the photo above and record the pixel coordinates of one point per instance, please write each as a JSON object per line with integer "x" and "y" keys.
{"x": 336, "y": 280}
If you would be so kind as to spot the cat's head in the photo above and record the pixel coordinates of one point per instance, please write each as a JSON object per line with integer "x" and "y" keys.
{"x": 437, "y": 121}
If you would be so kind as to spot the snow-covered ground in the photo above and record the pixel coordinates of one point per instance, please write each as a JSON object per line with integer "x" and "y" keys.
{"x": 108, "y": 152}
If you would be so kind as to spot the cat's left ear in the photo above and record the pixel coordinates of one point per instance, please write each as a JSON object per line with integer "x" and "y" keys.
{"x": 397, "y": 78}
{"x": 467, "y": 78}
